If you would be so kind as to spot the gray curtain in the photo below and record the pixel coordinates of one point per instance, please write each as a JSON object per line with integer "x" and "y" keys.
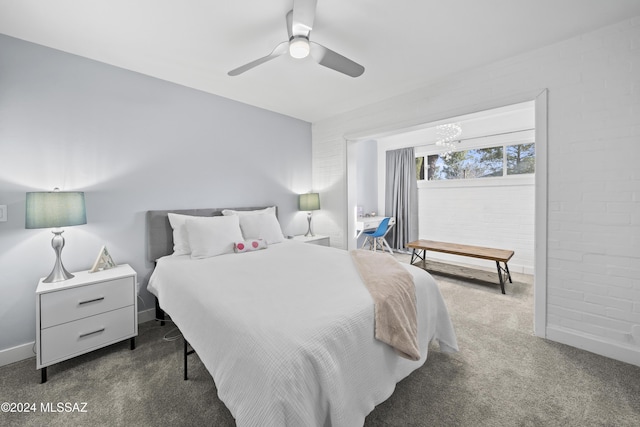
{"x": 401, "y": 197}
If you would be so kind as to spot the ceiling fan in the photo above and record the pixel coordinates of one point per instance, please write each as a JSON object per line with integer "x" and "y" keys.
{"x": 299, "y": 25}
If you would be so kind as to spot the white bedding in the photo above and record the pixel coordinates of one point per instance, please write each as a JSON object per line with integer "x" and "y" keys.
{"x": 288, "y": 333}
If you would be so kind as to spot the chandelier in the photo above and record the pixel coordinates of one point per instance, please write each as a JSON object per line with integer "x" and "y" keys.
{"x": 447, "y": 135}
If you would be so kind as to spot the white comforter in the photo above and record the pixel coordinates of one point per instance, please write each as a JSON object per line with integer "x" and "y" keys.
{"x": 288, "y": 332}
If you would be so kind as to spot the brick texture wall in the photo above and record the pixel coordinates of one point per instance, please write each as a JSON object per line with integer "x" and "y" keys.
{"x": 593, "y": 198}
{"x": 498, "y": 216}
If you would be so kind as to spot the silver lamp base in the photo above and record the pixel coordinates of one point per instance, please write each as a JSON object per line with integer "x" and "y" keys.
{"x": 309, "y": 232}
{"x": 59, "y": 273}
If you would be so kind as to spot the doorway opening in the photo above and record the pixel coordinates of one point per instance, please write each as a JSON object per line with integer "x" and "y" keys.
{"x": 492, "y": 196}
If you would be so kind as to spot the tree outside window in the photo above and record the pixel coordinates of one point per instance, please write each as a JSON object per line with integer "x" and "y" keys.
{"x": 419, "y": 168}
{"x": 521, "y": 159}
{"x": 478, "y": 163}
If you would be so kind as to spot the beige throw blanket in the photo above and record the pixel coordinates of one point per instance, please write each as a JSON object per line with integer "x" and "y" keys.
{"x": 394, "y": 296}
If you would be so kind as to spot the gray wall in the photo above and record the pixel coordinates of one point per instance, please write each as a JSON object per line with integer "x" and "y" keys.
{"x": 131, "y": 143}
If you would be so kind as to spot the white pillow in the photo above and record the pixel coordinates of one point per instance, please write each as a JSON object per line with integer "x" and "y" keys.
{"x": 259, "y": 224}
{"x": 180, "y": 238}
{"x": 271, "y": 210}
{"x": 269, "y": 227}
{"x": 213, "y": 236}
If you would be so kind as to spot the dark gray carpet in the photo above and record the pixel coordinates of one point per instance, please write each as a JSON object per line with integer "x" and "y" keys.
{"x": 502, "y": 376}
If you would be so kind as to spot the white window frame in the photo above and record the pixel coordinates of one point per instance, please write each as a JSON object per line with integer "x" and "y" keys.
{"x": 504, "y": 140}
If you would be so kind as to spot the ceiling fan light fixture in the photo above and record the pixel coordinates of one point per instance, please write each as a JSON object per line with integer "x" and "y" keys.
{"x": 299, "y": 25}
{"x": 299, "y": 47}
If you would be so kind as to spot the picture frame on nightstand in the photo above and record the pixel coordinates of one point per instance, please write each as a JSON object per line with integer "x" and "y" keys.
{"x": 103, "y": 261}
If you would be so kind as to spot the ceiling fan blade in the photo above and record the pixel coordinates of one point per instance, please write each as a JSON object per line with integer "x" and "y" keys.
{"x": 289, "y": 18}
{"x": 281, "y": 49}
{"x": 335, "y": 61}
{"x": 304, "y": 13}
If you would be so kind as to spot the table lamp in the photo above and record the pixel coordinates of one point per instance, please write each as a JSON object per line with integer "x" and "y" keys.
{"x": 309, "y": 202}
{"x": 55, "y": 209}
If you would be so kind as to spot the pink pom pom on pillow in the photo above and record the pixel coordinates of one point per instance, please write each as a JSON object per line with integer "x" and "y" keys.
{"x": 250, "y": 245}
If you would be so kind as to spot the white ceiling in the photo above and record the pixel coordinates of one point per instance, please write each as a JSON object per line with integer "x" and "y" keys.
{"x": 403, "y": 44}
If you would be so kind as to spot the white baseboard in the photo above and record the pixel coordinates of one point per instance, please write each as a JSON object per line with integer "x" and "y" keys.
{"x": 17, "y": 353}
{"x": 146, "y": 315}
{"x": 597, "y": 345}
{"x": 25, "y": 351}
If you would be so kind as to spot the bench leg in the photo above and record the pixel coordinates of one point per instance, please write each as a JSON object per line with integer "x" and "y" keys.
{"x": 503, "y": 276}
{"x": 413, "y": 255}
{"x": 416, "y": 255}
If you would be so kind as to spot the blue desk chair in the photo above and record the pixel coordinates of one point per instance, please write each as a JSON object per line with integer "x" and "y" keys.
{"x": 376, "y": 238}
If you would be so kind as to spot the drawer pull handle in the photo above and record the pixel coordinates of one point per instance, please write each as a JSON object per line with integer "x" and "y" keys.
{"x": 91, "y": 333}
{"x": 91, "y": 300}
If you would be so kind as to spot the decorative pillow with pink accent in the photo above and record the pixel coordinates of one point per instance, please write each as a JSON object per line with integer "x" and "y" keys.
{"x": 249, "y": 245}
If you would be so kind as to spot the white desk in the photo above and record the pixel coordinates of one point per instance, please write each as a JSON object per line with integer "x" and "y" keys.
{"x": 367, "y": 223}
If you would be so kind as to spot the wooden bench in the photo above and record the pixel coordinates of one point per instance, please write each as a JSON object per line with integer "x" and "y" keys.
{"x": 497, "y": 255}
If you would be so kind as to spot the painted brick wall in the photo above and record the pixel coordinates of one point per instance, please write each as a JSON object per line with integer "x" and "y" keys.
{"x": 593, "y": 259}
{"x": 499, "y": 216}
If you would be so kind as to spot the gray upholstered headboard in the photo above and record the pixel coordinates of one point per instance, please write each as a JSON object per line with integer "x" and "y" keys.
{"x": 160, "y": 234}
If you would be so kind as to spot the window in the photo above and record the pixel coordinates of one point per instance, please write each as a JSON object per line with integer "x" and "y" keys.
{"x": 419, "y": 168}
{"x": 521, "y": 159}
{"x": 478, "y": 163}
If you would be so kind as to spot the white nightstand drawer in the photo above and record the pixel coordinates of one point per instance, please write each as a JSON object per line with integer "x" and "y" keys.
{"x": 76, "y": 303}
{"x": 73, "y": 338}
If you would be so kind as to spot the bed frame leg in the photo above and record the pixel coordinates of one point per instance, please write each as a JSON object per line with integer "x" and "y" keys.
{"x": 185, "y": 354}
{"x": 185, "y": 359}
{"x": 159, "y": 313}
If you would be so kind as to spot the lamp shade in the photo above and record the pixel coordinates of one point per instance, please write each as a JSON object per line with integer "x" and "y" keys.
{"x": 55, "y": 209}
{"x": 309, "y": 202}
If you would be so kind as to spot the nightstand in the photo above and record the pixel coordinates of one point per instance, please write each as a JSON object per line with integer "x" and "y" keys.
{"x": 85, "y": 313}
{"x": 315, "y": 240}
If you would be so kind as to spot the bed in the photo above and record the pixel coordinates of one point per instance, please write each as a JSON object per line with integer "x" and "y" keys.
{"x": 287, "y": 332}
